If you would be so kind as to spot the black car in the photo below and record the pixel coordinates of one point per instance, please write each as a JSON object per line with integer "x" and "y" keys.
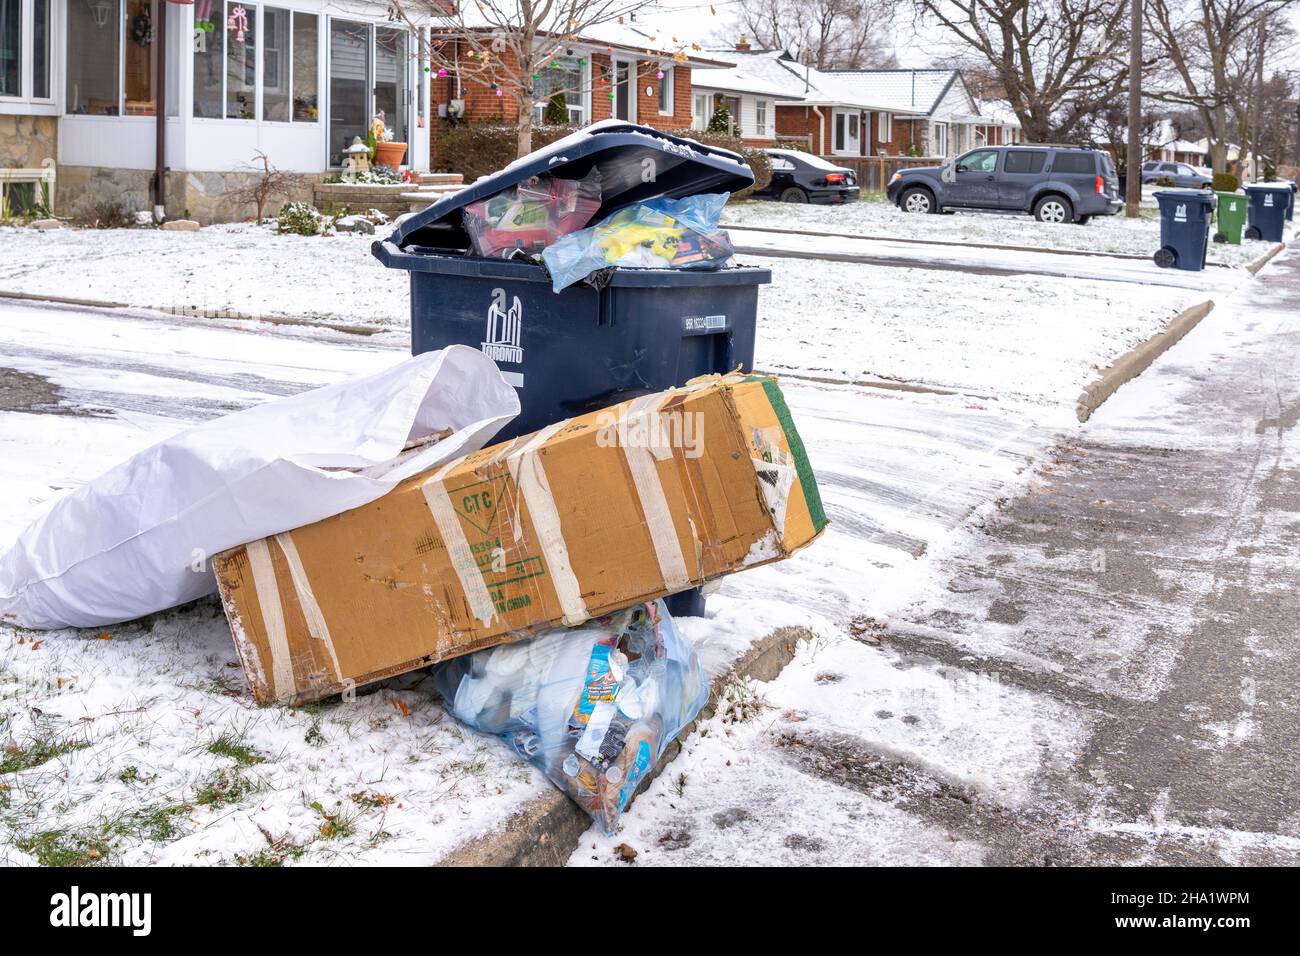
{"x": 803, "y": 177}
{"x": 1053, "y": 183}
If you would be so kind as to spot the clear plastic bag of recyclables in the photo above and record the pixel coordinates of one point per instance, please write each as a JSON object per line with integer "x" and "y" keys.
{"x": 593, "y": 706}
{"x": 657, "y": 234}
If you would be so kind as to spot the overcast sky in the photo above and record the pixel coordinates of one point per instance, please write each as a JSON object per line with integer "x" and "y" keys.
{"x": 698, "y": 21}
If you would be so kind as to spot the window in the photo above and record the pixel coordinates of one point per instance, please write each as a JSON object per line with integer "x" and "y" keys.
{"x": 567, "y": 79}
{"x": 11, "y": 47}
{"x": 41, "y": 33}
{"x": 1074, "y": 163}
{"x": 306, "y": 37}
{"x": 1024, "y": 161}
{"x": 241, "y": 61}
{"x": 277, "y": 65}
{"x": 885, "y": 128}
{"x": 138, "y": 54}
{"x": 94, "y": 61}
{"x": 209, "y": 54}
{"x": 983, "y": 161}
{"x": 666, "y": 92}
{"x": 760, "y": 117}
{"x": 941, "y": 139}
{"x": 225, "y": 65}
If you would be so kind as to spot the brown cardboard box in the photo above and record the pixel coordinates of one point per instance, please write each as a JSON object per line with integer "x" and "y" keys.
{"x": 572, "y": 522}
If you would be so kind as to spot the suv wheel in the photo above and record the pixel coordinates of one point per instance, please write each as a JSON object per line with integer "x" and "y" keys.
{"x": 794, "y": 194}
{"x": 917, "y": 199}
{"x": 1053, "y": 209}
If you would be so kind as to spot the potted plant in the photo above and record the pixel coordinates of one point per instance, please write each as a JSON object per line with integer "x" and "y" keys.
{"x": 386, "y": 152}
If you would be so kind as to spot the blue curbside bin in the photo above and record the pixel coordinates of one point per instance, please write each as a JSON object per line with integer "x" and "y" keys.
{"x": 588, "y": 346}
{"x": 1185, "y": 216}
{"x": 1268, "y": 207}
{"x": 1290, "y": 206}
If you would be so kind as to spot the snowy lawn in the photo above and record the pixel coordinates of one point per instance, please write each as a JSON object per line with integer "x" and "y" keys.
{"x": 1036, "y": 337}
{"x": 1040, "y": 338}
{"x": 139, "y": 743}
{"x": 1104, "y": 234}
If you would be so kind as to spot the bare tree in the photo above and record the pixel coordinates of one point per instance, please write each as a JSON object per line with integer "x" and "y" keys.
{"x": 1057, "y": 61}
{"x": 271, "y": 183}
{"x": 1209, "y": 52}
{"x": 503, "y": 46}
{"x": 829, "y": 34}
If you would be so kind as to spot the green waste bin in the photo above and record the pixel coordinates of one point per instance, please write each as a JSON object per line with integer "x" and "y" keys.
{"x": 1231, "y": 218}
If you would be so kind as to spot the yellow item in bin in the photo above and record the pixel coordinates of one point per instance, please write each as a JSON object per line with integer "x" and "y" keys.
{"x": 621, "y": 238}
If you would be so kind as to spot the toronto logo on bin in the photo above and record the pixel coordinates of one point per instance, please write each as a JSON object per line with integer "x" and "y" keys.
{"x": 1180, "y": 215}
{"x": 503, "y": 328}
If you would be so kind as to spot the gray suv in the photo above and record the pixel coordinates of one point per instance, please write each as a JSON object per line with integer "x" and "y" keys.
{"x": 1053, "y": 183}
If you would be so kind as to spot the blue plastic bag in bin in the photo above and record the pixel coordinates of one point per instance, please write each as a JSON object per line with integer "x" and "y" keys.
{"x": 657, "y": 234}
{"x": 593, "y": 707}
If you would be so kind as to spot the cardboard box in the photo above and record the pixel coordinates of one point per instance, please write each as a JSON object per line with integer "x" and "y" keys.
{"x": 575, "y": 521}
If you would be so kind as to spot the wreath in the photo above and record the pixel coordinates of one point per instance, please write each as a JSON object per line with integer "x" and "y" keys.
{"x": 142, "y": 29}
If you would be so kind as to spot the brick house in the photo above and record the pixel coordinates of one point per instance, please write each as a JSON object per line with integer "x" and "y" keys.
{"x": 849, "y": 113}
{"x": 619, "y": 71}
{"x": 160, "y": 105}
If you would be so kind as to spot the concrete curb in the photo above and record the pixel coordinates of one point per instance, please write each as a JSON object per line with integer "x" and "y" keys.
{"x": 1136, "y": 361}
{"x": 548, "y": 830}
{"x": 1264, "y": 260}
{"x": 195, "y": 312}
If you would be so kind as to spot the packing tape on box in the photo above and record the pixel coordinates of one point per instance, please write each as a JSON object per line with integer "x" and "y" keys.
{"x": 642, "y": 456}
{"x": 458, "y": 549}
{"x": 283, "y": 684}
{"x": 311, "y": 612}
{"x": 530, "y": 478}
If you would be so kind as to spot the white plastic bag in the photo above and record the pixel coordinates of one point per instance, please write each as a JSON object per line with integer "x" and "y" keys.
{"x": 138, "y": 538}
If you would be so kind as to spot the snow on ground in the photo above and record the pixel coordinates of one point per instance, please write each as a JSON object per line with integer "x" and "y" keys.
{"x": 156, "y": 753}
{"x": 139, "y": 743}
{"x": 1104, "y": 234}
{"x": 1036, "y": 337}
{"x": 735, "y": 795}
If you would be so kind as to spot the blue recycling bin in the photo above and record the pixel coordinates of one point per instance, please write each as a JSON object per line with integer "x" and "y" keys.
{"x": 1266, "y": 216}
{"x": 626, "y": 332}
{"x": 1185, "y": 216}
{"x": 1290, "y": 206}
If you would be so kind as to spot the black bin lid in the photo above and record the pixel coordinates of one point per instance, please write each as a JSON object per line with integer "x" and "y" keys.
{"x": 677, "y": 167}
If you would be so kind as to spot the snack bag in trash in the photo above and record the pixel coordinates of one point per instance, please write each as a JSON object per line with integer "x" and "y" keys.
{"x": 532, "y": 215}
{"x": 593, "y": 707}
{"x": 656, "y": 234}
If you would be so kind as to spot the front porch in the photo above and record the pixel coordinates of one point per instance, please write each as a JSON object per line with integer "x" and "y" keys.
{"x": 296, "y": 80}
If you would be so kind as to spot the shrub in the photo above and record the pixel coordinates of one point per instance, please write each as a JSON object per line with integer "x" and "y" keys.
{"x": 1225, "y": 183}
{"x": 105, "y": 214}
{"x": 477, "y": 149}
{"x": 720, "y": 121}
{"x": 557, "y": 110}
{"x": 298, "y": 218}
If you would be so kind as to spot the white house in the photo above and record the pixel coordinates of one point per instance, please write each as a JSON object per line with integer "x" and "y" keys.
{"x": 81, "y": 82}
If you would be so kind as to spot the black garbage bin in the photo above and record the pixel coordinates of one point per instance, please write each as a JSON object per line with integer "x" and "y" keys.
{"x": 633, "y": 332}
{"x": 1185, "y": 216}
{"x": 1266, "y": 215}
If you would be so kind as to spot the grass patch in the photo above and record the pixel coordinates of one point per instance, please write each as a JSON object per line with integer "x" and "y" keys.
{"x": 96, "y": 845}
{"x": 228, "y": 745}
{"x": 335, "y": 826}
{"x": 15, "y": 758}
{"x": 63, "y": 847}
{"x": 224, "y": 787}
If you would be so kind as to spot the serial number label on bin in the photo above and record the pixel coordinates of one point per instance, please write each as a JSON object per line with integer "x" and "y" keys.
{"x": 701, "y": 324}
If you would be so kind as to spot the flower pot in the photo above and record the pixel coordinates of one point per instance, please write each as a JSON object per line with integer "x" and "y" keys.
{"x": 389, "y": 154}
